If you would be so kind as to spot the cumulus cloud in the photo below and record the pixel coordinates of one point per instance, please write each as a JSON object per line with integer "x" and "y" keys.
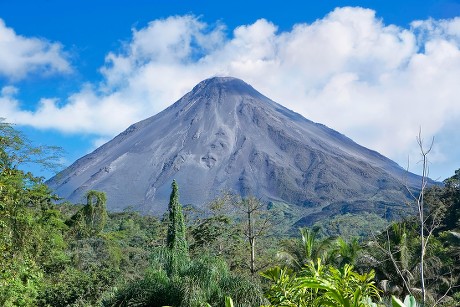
{"x": 20, "y": 56}
{"x": 376, "y": 83}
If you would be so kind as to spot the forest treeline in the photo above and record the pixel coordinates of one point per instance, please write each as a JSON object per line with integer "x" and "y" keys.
{"x": 238, "y": 251}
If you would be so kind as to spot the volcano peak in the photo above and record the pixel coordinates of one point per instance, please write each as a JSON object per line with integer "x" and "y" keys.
{"x": 225, "y": 135}
{"x": 227, "y": 85}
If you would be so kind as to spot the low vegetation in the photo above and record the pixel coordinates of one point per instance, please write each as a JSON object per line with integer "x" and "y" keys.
{"x": 61, "y": 254}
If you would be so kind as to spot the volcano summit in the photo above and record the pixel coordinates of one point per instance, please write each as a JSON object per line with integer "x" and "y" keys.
{"x": 224, "y": 135}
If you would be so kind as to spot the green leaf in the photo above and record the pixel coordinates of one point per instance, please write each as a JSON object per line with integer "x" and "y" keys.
{"x": 410, "y": 301}
{"x": 228, "y": 301}
{"x": 396, "y": 302}
{"x": 357, "y": 297}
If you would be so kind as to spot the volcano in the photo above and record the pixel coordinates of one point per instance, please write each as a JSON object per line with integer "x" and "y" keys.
{"x": 225, "y": 136}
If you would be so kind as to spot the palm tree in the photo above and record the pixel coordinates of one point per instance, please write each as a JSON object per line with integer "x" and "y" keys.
{"x": 396, "y": 260}
{"x": 347, "y": 252}
{"x": 298, "y": 253}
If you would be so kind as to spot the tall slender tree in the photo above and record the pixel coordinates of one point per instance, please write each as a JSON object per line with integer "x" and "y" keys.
{"x": 176, "y": 238}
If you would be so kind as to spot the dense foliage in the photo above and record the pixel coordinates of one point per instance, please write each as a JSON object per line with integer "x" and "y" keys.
{"x": 61, "y": 254}
{"x": 319, "y": 285}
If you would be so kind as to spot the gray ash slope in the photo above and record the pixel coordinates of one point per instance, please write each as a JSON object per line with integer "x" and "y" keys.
{"x": 224, "y": 135}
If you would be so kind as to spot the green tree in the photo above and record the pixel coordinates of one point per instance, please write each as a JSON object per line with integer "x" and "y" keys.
{"x": 347, "y": 251}
{"x": 16, "y": 150}
{"x": 444, "y": 204}
{"x": 175, "y": 279}
{"x": 297, "y": 253}
{"x": 104, "y": 261}
{"x": 91, "y": 219}
{"x": 220, "y": 231}
{"x": 31, "y": 229}
{"x": 176, "y": 237}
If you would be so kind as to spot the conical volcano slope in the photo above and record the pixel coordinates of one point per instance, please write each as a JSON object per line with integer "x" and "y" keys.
{"x": 224, "y": 135}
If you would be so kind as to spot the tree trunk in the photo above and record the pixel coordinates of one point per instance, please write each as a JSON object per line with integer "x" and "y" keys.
{"x": 251, "y": 240}
{"x": 423, "y": 241}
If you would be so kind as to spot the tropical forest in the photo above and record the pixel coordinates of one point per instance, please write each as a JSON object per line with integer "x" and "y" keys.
{"x": 240, "y": 251}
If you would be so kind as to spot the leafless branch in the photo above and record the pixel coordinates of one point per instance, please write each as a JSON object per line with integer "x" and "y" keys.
{"x": 390, "y": 256}
{"x": 439, "y": 300}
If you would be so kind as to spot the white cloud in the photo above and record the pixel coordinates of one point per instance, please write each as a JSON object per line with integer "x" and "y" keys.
{"x": 9, "y": 91}
{"x": 376, "y": 83}
{"x": 20, "y": 56}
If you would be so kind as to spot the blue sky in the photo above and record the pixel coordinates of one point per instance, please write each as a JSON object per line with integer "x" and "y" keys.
{"x": 76, "y": 73}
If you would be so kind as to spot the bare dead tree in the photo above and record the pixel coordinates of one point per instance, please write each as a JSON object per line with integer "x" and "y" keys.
{"x": 256, "y": 226}
{"x": 424, "y": 151}
{"x": 428, "y": 223}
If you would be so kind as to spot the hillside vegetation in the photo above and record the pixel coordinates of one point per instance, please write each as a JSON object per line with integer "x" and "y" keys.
{"x": 237, "y": 251}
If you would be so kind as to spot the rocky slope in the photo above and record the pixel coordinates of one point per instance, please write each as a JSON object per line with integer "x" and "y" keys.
{"x": 224, "y": 135}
